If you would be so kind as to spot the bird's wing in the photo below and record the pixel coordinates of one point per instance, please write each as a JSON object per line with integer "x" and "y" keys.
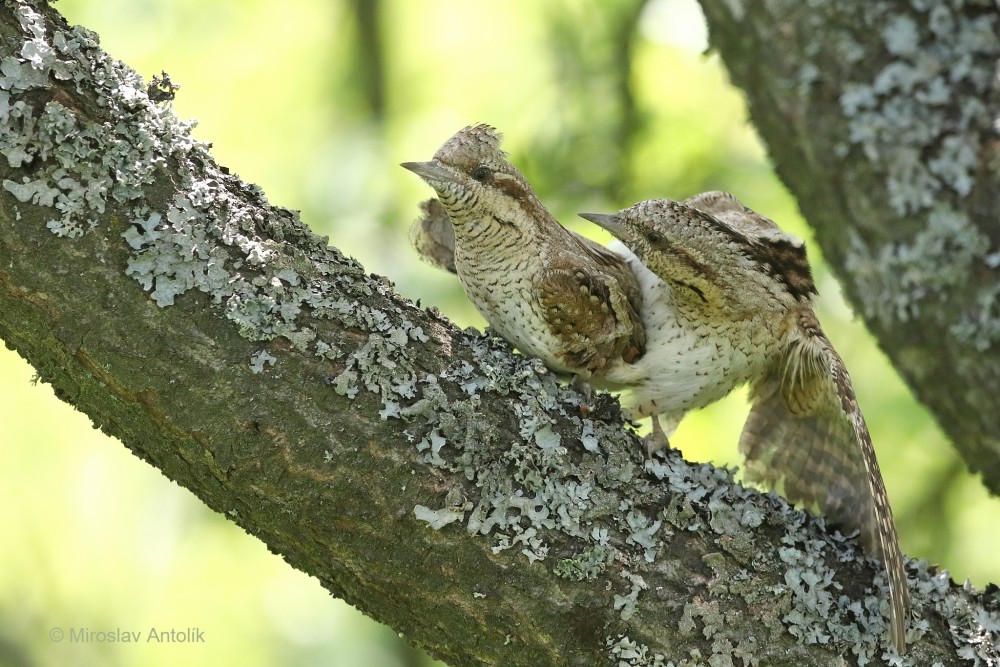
{"x": 806, "y": 435}
{"x": 588, "y": 311}
{"x": 612, "y": 263}
{"x": 433, "y": 236}
{"x": 730, "y": 210}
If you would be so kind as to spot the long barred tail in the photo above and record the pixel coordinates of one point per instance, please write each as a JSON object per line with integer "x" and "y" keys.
{"x": 806, "y": 435}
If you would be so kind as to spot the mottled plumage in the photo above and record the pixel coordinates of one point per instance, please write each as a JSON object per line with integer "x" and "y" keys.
{"x": 552, "y": 293}
{"x": 728, "y": 300}
{"x": 432, "y": 236}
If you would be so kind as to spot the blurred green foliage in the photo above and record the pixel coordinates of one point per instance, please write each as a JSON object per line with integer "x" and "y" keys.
{"x": 603, "y": 103}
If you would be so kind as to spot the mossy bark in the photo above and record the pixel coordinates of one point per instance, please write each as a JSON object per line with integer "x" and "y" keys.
{"x": 444, "y": 486}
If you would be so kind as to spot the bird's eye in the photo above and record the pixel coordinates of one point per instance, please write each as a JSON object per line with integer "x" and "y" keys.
{"x": 481, "y": 173}
{"x": 654, "y": 237}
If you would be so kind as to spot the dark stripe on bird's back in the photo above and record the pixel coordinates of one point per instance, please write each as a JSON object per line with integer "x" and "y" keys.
{"x": 786, "y": 261}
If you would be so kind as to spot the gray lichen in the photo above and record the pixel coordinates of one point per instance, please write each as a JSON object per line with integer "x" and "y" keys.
{"x": 903, "y": 119}
{"x": 627, "y": 653}
{"x": 440, "y": 518}
{"x": 626, "y": 604}
{"x": 203, "y": 238}
{"x": 85, "y": 165}
{"x": 974, "y": 628}
{"x": 922, "y": 121}
{"x": 588, "y": 564}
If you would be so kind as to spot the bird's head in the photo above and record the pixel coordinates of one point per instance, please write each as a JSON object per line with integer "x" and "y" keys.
{"x": 708, "y": 261}
{"x": 478, "y": 185}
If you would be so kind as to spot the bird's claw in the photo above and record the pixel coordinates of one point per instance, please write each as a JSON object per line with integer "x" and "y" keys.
{"x": 656, "y": 440}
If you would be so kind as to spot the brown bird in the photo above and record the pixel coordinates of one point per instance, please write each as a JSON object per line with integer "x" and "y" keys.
{"x": 552, "y": 293}
{"x": 735, "y": 306}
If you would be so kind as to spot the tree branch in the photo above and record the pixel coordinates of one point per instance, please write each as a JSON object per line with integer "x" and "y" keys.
{"x": 426, "y": 475}
{"x": 880, "y": 118}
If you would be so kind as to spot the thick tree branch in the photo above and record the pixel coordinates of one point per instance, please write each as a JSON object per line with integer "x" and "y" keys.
{"x": 880, "y": 117}
{"x": 442, "y": 485}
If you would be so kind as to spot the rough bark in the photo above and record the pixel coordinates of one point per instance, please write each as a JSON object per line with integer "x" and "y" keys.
{"x": 880, "y": 118}
{"x": 426, "y": 475}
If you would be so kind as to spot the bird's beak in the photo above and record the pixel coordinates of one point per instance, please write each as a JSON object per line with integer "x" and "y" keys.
{"x": 609, "y": 221}
{"x": 433, "y": 172}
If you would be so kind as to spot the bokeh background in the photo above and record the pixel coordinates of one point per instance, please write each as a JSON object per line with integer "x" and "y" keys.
{"x": 603, "y": 103}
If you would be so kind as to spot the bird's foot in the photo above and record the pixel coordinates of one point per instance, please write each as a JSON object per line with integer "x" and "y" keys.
{"x": 656, "y": 440}
{"x": 584, "y": 388}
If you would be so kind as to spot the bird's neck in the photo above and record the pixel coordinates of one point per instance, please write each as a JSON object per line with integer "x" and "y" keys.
{"x": 729, "y": 301}
{"x": 497, "y": 242}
